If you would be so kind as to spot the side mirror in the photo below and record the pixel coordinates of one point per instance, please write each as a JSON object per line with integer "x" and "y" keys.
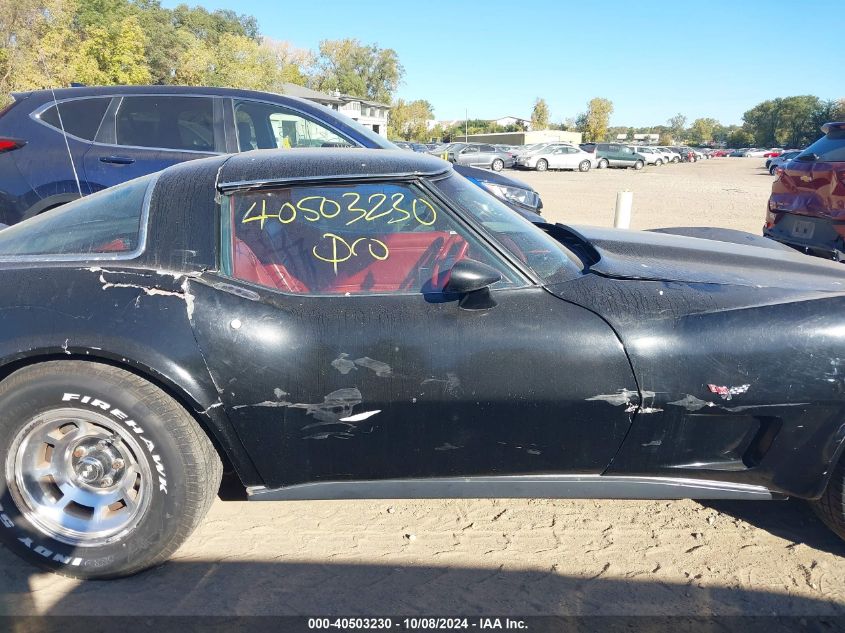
{"x": 472, "y": 280}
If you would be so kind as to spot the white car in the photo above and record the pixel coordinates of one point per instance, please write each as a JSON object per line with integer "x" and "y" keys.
{"x": 671, "y": 155}
{"x": 652, "y": 155}
{"x": 756, "y": 153}
{"x": 558, "y": 157}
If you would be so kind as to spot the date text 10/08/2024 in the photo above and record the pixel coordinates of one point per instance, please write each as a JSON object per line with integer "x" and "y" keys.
{"x": 417, "y": 623}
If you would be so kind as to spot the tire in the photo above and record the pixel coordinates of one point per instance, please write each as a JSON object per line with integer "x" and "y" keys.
{"x": 128, "y": 476}
{"x": 542, "y": 165}
{"x": 498, "y": 165}
{"x": 603, "y": 163}
{"x": 675, "y": 159}
{"x": 639, "y": 165}
{"x": 584, "y": 165}
{"x": 772, "y": 170}
{"x": 830, "y": 507}
{"x": 658, "y": 162}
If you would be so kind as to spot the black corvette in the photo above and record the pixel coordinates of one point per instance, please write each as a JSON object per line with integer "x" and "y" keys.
{"x": 363, "y": 323}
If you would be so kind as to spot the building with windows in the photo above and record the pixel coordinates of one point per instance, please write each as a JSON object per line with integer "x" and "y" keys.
{"x": 371, "y": 114}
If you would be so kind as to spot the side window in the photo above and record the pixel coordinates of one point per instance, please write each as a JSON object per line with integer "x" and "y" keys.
{"x": 372, "y": 238}
{"x": 267, "y": 126}
{"x": 488, "y": 149}
{"x": 80, "y": 117}
{"x": 106, "y": 223}
{"x": 603, "y": 147}
{"x": 180, "y": 123}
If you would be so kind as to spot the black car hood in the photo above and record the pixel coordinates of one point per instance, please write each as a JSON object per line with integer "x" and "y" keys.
{"x": 645, "y": 255}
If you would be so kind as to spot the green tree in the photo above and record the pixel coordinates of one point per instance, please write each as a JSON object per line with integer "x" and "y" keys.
{"x": 677, "y": 127}
{"x": 38, "y": 47}
{"x": 408, "y": 120}
{"x": 701, "y": 131}
{"x": 540, "y": 115}
{"x": 353, "y": 68}
{"x": 113, "y": 55}
{"x": 740, "y": 138}
{"x": 594, "y": 122}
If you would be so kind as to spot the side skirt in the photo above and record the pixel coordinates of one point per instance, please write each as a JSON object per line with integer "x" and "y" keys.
{"x": 517, "y": 487}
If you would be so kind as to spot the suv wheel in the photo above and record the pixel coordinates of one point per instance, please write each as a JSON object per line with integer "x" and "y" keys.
{"x": 603, "y": 163}
{"x": 639, "y": 165}
{"x": 102, "y": 474}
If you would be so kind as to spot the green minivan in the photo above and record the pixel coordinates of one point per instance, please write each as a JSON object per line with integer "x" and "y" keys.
{"x": 616, "y": 155}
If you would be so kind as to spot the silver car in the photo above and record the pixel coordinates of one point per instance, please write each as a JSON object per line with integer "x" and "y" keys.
{"x": 558, "y": 157}
{"x": 479, "y": 155}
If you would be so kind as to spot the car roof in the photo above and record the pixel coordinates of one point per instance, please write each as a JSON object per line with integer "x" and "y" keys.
{"x": 265, "y": 167}
{"x": 95, "y": 91}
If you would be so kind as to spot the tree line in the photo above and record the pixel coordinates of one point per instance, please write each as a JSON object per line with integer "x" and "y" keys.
{"x": 54, "y": 43}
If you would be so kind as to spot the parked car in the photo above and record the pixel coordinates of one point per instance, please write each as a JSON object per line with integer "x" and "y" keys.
{"x": 558, "y": 157}
{"x": 755, "y": 153}
{"x": 772, "y": 164}
{"x": 806, "y": 206}
{"x": 652, "y": 155}
{"x": 671, "y": 155}
{"x": 279, "y": 275}
{"x": 480, "y": 155}
{"x": 614, "y": 155}
{"x": 117, "y": 133}
{"x": 721, "y": 153}
{"x": 774, "y": 153}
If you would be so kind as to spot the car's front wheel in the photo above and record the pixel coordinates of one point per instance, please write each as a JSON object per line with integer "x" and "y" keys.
{"x": 639, "y": 165}
{"x": 772, "y": 170}
{"x": 658, "y": 162}
{"x": 498, "y": 164}
{"x": 542, "y": 164}
{"x": 830, "y": 507}
{"x": 584, "y": 165}
{"x": 103, "y": 474}
{"x": 603, "y": 163}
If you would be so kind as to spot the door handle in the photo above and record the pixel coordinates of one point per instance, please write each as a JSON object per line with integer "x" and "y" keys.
{"x": 117, "y": 160}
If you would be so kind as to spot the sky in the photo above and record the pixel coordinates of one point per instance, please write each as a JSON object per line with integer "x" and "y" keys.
{"x": 652, "y": 58}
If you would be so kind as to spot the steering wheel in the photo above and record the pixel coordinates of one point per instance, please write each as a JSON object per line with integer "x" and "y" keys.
{"x": 454, "y": 247}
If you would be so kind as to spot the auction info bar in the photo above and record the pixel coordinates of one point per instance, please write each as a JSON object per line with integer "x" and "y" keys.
{"x": 538, "y": 624}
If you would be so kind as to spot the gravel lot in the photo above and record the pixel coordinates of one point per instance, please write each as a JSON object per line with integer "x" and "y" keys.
{"x": 523, "y": 557}
{"x": 724, "y": 192}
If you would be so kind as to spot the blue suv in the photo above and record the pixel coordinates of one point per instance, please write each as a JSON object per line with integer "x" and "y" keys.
{"x": 114, "y": 134}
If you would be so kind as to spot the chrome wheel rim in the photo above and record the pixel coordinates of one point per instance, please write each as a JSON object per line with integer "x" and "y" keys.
{"x": 80, "y": 477}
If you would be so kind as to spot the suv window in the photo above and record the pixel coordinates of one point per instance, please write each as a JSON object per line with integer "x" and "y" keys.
{"x": 106, "y": 223}
{"x": 80, "y": 117}
{"x": 603, "y": 147}
{"x": 180, "y": 123}
{"x": 366, "y": 238}
{"x": 829, "y": 148}
{"x": 267, "y": 126}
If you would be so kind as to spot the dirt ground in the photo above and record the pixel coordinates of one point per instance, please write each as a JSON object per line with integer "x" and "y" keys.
{"x": 527, "y": 557}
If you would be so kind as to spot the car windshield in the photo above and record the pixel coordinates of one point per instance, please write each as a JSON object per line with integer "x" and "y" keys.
{"x": 548, "y": 258}
{"x": 829, "y": 148}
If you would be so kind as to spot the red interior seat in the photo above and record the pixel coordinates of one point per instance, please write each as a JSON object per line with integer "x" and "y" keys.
{"x": 412, "y": 256}
{"x": 248, "y": 267}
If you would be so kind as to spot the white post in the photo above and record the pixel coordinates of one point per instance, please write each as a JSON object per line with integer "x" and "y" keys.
{"x": 624, "y": 204}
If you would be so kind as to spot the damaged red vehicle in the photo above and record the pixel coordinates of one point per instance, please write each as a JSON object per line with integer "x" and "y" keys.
{"x": 807, "y": 205}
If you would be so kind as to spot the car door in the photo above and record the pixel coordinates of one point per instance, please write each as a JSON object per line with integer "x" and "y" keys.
{"x": 470, "y": 155}
{"x": 338, "y": 355}
{"x": 142, "y": 134}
